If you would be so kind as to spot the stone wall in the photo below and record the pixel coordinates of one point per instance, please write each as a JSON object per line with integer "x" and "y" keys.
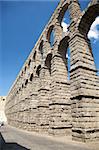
{"x": 42, "y": 98}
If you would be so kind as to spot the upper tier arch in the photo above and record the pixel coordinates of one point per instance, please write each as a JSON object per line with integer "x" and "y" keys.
{"x": 88, "y": 17}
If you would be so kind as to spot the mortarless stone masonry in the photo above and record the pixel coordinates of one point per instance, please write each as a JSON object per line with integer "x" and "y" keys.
{"x": 42, "y": 99}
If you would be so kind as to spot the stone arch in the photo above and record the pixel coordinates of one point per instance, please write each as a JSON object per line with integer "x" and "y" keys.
{"x": 62, "y": 50}
{"x": 38, "y": 70}
{"x": 88, "y": 18}
{"x": 34, "y": 56}
{"x": 48, "y": 62}
{"x": 25, "y": 68}
{"x": 22, "y": 86}
{"x": 26, "y": 82}
{"x": 31, "y": 77}
{"x": 20, "y": 89}
{"x": 41, "y": 48}
{"x": 29, "y": 62}
{"x": 63, "y": 45}
{"x": 17, "y": 92}
{"x": 62, "y": 12}
{"x": 48, "y": 36}
{"x": 22, "y": 73}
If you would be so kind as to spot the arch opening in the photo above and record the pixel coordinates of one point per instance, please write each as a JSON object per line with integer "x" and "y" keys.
{"x": 93, "y": 36}
{"x": 91, "y": 32}
{"x": 22, "y": 73}
{"x": 68, "y": 62}
{"x": 50, "y": 35}
{"x": 26, "y": 82}
{"x": 19, "y": 89}
{"x": 38, "y": 70}
{"x": 22, "y": 86}
{"x": 90, "y": 19}
{"x": 48, "y": 62}
{"x": 64, "y": 18}
{"x": 31, "y": 77}
{"x": 41, "y": 48}
{"x": 64, "y": 52}
{"x": 34, "y": 56}
{"x": 29, "y": 63}
{"x": 63, "y": 13}
{"x": 25, "y": 68}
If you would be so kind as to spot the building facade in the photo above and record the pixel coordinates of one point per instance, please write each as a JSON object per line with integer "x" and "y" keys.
{"x": 2, "y": 108}
{"x": 42, "y": 98}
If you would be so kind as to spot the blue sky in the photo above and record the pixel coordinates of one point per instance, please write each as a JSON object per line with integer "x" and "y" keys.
{"x": 21, "y": 23}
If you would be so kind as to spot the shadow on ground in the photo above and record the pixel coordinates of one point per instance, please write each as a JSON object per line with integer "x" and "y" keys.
{"x": 10, "y": 146}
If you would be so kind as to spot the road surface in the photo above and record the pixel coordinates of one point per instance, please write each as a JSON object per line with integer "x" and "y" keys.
{"x": 15, "y": 139}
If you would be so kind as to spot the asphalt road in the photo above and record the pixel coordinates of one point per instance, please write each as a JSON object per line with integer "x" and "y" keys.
{"x": 15, "y": 139}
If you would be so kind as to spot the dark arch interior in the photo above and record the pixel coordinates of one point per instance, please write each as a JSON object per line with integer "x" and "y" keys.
{"x": 88, "y": 18}
{"x": 25, "y": 68}
{"x": 62, "y": 13}
{"x": 64, "y": 51}
{"x": 29, "y": 62}
{"x": 50, "y": 35}
{"x": 38, "y": 70}
{"x": 22, "y": 73}
{"x": 34, "y": 56}
{"x": 41, "y": 48}
{"x": 17, "y": 92}
{"x": 31, "y": 77}
{"x": 48, "y": 62}
{"x": 22, "y": 85}
{"x": 19, "y": 89}
{"x": 26, "y": 82}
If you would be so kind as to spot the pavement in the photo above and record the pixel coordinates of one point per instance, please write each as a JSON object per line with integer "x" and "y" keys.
{"x": 15, "y": 139}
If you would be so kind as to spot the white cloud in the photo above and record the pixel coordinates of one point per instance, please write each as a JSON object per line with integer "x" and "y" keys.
{"x": 65, "y": 26}
{"x": 67, "y": 56}
{"x": 94, "y": 32}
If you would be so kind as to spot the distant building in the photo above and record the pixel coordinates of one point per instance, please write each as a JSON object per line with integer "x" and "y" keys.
{"x": 2, "y": 107}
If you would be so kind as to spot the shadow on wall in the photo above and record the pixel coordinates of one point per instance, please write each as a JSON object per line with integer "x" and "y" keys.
{"x": 10, "y": 146}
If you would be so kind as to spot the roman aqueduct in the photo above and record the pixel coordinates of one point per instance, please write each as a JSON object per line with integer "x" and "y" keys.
{"x": 42, "y": 98}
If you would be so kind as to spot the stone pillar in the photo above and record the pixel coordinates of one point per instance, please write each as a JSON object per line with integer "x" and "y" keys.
{"x": 74, "y": 9}
{"x": 84, "y": 90}
{"x": 20, "y": 105}
{"x": 60, "y": 116}
{"x": 44, "y": 98}
{"x": 25, "y": 106}
{"x": 58, "y": 34}
{"x": 34, "y": 104}
{"x": 84, "y": 83}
